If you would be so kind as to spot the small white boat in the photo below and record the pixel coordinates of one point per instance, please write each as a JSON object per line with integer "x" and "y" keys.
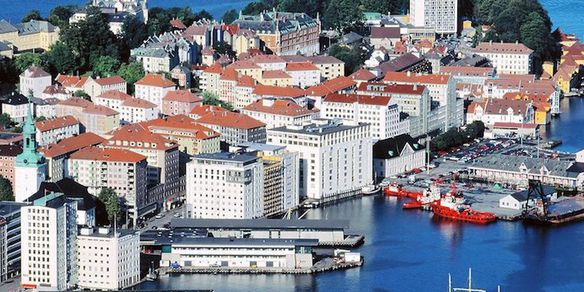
{"x": 370, "y": 190}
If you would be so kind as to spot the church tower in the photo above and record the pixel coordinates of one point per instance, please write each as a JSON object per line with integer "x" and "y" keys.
{"x": 30, "y": 167}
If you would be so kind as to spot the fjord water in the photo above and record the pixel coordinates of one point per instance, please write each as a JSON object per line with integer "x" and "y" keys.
{"x": 566, "y": 14}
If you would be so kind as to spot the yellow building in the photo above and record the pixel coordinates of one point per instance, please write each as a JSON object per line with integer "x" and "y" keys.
{"x": 466, "y": 24}
{"x": 34, "y": 34}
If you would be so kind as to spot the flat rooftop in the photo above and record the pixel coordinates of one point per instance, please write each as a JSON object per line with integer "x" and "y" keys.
{"x": 259, "y": 223}
{"x": 227, "y": 156}
{"x": 320, "y": 127}
{"x": 166, "y": 238}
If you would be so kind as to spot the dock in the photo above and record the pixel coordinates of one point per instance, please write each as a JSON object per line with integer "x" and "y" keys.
{"x": 324, "y": 265}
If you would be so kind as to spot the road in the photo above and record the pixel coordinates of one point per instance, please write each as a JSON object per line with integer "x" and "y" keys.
{"x": 166, "y": 217}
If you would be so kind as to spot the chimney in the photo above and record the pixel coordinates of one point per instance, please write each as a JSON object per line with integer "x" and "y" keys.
{"x": 268, "y": 102}
{"x": 490, "y": 42}
{"x": 415, "y": 86}
{"x": 409, "y": 73}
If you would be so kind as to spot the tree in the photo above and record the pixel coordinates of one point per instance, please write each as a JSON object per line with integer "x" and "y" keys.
{"x": 6, "y": 193}
{"x": 105, "y": 66}
{"x": 341, "y": 15}
{"x": 5, "y": 120}
{"x": 40, "y": 119}
{"x": 82, "y": 94}
{"x": 230, "y": 16}
{"x": 61, "y": 59}
{"x": 111, "y": 201}
{"x": 210, "y": 98}
{"x": 352, "y": 56}
{"x": 134, "y": 33}
{"x": 8, "y": 75}
{"x": 60, "y": 15}
{"x": 90, "y": 38}
{"x": 25, "y": 60}
{"x": 203, "y": 14}
{"x": 32, "y": 15}
{"x": 533, "y": 32}
{"x": 131, "y": 72}
{"x": 224, "y": 48}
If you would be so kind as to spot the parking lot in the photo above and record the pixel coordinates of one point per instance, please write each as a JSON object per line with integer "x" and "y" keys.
{"x": 163, "y": 218}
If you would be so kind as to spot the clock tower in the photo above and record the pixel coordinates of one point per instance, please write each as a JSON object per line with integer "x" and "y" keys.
{"x": 30, "y": 167}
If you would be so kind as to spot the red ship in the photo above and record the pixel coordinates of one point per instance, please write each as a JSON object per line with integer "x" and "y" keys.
{"x": 451, "y": 207}
{"x": 395, "y": 190}
{"x": 424, "y": 200}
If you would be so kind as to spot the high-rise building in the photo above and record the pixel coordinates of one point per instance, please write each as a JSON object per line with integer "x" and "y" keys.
{"x": 225, "y": 185}
{"x": 9, "y": 239}
{"x": 108, "y": 260}
{"x": 48, "y": 235}
{"x": 30, "y": 168}
{"x": 441, "y": 15}
{"x": 335, "y": 157}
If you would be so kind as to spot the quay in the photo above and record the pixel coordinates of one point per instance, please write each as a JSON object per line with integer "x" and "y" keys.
{"x": 317, "y": 268}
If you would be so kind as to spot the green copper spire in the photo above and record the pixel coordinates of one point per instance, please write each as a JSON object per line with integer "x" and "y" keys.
{"x": 29, "y": 156}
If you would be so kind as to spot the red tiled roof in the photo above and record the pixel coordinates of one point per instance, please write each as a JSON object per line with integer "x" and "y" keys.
{"x": 99, "y": 110}
{"x": 194, "y": 30}
{"x": 275, "y": 74}
{"x": 56, "y": 123}
{"x": 391, "y": 88}
{"x": 406, "y": 77}
{"x": 279, "y": 107}
{"x": 301, "y": 66}
{"x": 320, "y": 59}
{"x": 355, "y": 98}
{"x": 505, "y": 48}
{"x": 115, "y": 94}
{"x": 267, "y": 59}
{"x": 71, "y": 144}
{"x": 205, "y": 109}
{"x": 141, "y": 134}
{"x": 110, "y": 80}
{"x": 34, "y": 72}
{"x": 138, "y": 103}
{"x": 214, "y": 69}
{"x": 71, "y": 81}
{"x": 76, "y": 101}
{"x": 177, "y": 23}
{"x": 107, "y": 154}
{"x": 330, "y": 86}
{"x": 182, "y": 123}
{"x": 277, "y": 91}
{"x": 156, "y": 80}
{"x": 246, "y": 81}
{"x": 244, "y": 64}
{"x": 363, "y": 75}
{"x": 182, "y": 96}
{"x": 229, "y": 74}
{"x": 230, "y": 120}
{"x": 385, "y": 32}
{"x": 499, "y": 106}
{"x": 55, "y": 89}
{"x": 208, "y": 51}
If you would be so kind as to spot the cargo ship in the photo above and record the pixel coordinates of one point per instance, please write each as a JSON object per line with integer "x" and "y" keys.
{"x": 452, "y": 206}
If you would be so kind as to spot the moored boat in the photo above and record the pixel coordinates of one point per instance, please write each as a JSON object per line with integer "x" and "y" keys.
{"x": 452, "y": 206}
{"x": 370, "y": 190}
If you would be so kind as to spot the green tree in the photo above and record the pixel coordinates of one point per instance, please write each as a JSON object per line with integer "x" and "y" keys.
{"x": 224, "y": 48}
{"x": 32, "y": 15}
{"x": 61, "y": 59}
{"x": 111, "y": 201}
{"x": 210, "y": 98}
{"x": 533, "y": 33}
{"x": 90, "y": 38}
{"x": 105, "y": 66}
{"x": 352, "y": 56}
{"x": 134, "y": 33}
{"x": 6, "y": 193}
{"x": 203, "y": 14}
{"x": 8, "y": 75}
{"x": 82, "y": 94}
{"x": 60, "y": 15}
{"x": 131, "y": 72}
{"x": 40, "y": 119}
{"x": 341, "y": 15}
{"x": 5, "y": 120}
{"x": 230, "y": 16}
{"x": 25, "y": 60}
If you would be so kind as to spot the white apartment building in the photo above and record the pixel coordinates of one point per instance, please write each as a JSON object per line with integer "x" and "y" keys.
{"x": 95, "y": 87}
{"x": 281, "y": 190}
{"x": 153, "y": 88}
{"x": 507, "y": 58}
{"x": 225, "y": 185}
{"x": 120, "y": 169}
{"x": 112, "y": 99}
{"x": 54, "y": 130}
{"x": 381, "y": 112}
{"x": 279, "y": 113}
{"x": 491, "y": 111}
{"x": 35, "y": 80}
{"x": 235, "y": 128}
{"x": 303, "y": 74}
{"x": 48, "y": 235}
{"x": 108, "y": 260}
{"x": 397, "y": 155}
{"x": 335, "y": 157}
{"x": 136, "y": 110}
{"x": 441, "y": 15}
